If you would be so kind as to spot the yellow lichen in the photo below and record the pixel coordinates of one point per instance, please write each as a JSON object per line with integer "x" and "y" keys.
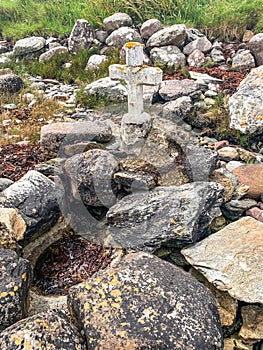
{"x": 24, "y": 277}
{"x": 3, "y": 294}
{"x": 15, "y": 288}
{"x": 18, "y": 341}
{"x": 115, "y": 293}
{"x": 132, "y": 44}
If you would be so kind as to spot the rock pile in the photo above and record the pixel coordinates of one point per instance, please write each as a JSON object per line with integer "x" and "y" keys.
{"x": 183, "y": 202}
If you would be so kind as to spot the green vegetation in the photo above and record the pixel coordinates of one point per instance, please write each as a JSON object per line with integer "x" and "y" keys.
{"x": 75, "y": 73}
{"x": 225, "y": 18}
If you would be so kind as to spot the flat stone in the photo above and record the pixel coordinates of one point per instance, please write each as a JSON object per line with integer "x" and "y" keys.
{"x": 29, "y": 45}
{"x": 47, "y": 330}
{"x": 150, "y": 27}
{"x": 172, "y": 35}
{"x": 145, "y": 303}
{"x": 252, "y": 325}
{"x": 173, "y": 89}
{"x": 46, "y": 56}
{"x": 81, "y": 36}
{"x": 116, "y": 21}
{"x": 56, "y": 136}
{"x": 36, "y": 199}
{"x": 231, "y": 259}
{"x": 123, "y": 35}
{"x": 168, "y": 56}
{"x": 251, "y": 175}
{"x": 90, "y": 175}
{"x": 12, "y": 228}
{"x": 10, "y": 83}
{"x": 180, "y": 214}
{"x": 15, "y": 280}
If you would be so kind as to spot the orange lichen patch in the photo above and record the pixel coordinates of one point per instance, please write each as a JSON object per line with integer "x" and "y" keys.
{"x": 132, "y": 44}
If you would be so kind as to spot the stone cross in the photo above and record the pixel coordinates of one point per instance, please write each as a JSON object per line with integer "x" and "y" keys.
{"x": 135, "y": 75}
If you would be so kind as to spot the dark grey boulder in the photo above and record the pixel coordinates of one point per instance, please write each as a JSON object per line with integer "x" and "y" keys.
{"x": 10, "y": 83}
{"x": 177, "y": 214}
{"x": 36, "y": 199}
{"x": 15, "y": 279}
{"x": 146, "y": 303}
{"x": 90, "y": 175}
{"x": 49, "y": 330}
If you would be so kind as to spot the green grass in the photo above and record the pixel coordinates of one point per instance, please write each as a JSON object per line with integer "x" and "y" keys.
{"x": 54, "y": 68}
{"x": 225, "y": 18}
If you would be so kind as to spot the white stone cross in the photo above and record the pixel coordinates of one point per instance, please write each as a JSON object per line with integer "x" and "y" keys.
{"x": 135, "y": 74}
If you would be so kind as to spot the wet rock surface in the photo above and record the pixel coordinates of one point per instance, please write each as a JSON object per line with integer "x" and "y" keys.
{"x": 120, "y": 308}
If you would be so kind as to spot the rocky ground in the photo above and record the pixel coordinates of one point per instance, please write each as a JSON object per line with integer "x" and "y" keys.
{"x": 172, "y": 229}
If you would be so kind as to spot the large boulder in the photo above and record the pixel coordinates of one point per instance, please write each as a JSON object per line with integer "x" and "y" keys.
{"x": 177, "y": 214}
{"x": 107, "y": 88}
{"x": 32, "y": 46}
{"x": 10, "y": 83}
{"x": 231, "y": 259}
{"x": 15, "y": 280}
{"x": 255, "y": 45}
{"x": 169, "y": 56}
{"x": 116, "y": 21}
{"x": 173, "y": 35}
{"x": 91, "y": 175}
{"x": 47, "y": 330}
{"x": 56, "y": 137}
{"x": 36, "y": 199}
{"x": 146, "y": 303}
{"x": 123, "y": 35}
{"x": 246, "y": 105}
{"x": 81, "y": 37}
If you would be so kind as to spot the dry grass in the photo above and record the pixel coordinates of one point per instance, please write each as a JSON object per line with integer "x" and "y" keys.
{"x": 24, "y": 124}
